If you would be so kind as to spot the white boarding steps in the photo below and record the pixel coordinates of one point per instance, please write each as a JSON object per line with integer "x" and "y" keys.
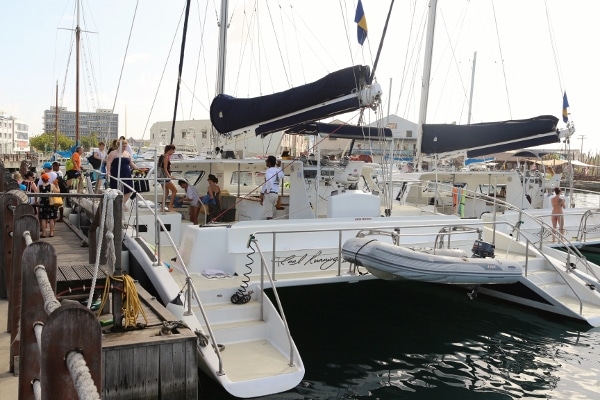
{"x": 258, "y": 357}
{"x": 569, "y": 288}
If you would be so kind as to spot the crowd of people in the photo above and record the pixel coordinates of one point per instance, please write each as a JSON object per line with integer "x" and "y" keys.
{"x": 113, "y": 167}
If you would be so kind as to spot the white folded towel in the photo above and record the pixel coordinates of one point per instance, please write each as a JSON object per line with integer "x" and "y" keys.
{"x": 215, "y": 273}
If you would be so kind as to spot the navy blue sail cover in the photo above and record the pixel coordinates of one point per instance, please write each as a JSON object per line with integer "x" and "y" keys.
{"x": 228, "y": 113}
{"x": 489, "y": 137}
{"x": 341, "y": 131}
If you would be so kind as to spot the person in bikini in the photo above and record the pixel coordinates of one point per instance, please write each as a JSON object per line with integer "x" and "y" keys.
{"x": 558, "y": 204}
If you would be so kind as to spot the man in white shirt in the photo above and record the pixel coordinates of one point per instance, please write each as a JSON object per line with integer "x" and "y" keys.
{"x": 270, "y": 191}
{"x": 47, "y": 169}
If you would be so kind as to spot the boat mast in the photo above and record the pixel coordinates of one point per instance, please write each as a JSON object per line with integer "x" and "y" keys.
{"x": 180, "y": 70}
{"x": 222, "y": 57}
{"x": 77, "y": 37}
{"x": 56, "y": 121}
{"x": 472, "y": 86}
{"x": 425, "y": 82}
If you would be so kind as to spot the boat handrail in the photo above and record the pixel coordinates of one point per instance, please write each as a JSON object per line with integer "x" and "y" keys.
{"x": 263, "y": 270}
{"x": 189, "y": 281}
{"x": 529, "y": 244}
{"x": 545, "y": 256}
{"x": 384, "y": 227}
{"x": 569, "y": 248}
{"x": 583, "y": 230}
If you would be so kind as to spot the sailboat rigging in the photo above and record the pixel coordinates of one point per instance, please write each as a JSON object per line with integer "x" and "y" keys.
{"x": 181, "y": 57}
{"x": 475, "y": 139}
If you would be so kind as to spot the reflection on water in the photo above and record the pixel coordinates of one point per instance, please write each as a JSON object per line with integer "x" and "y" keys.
{"x": 404, "y": 340}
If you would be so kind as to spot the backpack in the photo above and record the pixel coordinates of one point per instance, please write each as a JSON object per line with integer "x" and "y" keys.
{"x": 69, "y": 165}
{"x": 62, "y": 184}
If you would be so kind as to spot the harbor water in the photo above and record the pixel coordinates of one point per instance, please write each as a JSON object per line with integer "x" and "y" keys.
{"x": 408, "y": 340}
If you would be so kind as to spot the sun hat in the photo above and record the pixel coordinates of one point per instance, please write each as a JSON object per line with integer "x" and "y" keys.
{"x": 47, "y": 165}
{"x": 45, "y": 177}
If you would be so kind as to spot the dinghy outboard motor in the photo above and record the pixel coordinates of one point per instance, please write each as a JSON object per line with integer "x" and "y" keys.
{"x": 483, "y": 249}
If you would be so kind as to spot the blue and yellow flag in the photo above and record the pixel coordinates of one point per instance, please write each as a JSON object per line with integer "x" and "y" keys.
{"x": 361, "y": 21}
{"x": 565, "y": 107}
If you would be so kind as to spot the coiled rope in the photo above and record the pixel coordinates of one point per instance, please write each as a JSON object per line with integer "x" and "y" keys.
{"x": 132, "y": 306}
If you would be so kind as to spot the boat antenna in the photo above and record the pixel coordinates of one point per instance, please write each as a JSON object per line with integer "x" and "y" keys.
{"x": 387, "y": 20}
{"x": 185, "y": 24}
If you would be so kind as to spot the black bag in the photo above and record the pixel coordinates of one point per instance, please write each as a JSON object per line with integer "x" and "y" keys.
{"x": 94, "y": 162}
{"x": 141, "y": 185}
{"x": 62, "y": 184}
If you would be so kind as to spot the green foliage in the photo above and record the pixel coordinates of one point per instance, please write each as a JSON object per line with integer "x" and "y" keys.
{"x": 89, "y": 141}
{"x": 45, "y": 142}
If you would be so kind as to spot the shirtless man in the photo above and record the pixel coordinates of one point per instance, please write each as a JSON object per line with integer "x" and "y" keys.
{"x": 558, "y": 204}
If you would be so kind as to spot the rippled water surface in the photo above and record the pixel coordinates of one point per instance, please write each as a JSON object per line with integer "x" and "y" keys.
{"x": 405, "y": 340}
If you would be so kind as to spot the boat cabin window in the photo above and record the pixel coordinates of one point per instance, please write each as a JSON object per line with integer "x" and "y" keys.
{"x": 260, "y": 178}
{"x": 194, "y": 176}
{"x": 242, "y": 178}
{"x": 442, "y": 186}
{"x": 492, "y": 190}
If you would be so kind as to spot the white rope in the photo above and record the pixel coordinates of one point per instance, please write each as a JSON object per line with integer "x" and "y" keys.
{"x": 82, "y": 379}
{"x": 50, "y": 302}
{"x": 111, "y": 257}
{"x": 107, "y": 207}
{"x": 37, "y": 389}
{"x": 38, "y": 328}
{"x": 27, "y": 236}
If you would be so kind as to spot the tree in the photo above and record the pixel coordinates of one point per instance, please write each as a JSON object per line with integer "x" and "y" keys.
{"x": 89, "y": 141}
{"x": 45, "y": 142}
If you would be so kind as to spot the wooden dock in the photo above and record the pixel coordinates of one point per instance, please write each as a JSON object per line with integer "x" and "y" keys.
{"x": 155, "y": 360}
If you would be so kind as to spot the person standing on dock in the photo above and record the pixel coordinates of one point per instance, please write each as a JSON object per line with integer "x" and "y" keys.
{"x": 47, "y": 169}
{"x": 99, "y": 155}
{"x": 47, "y": 213}
{"x": 75, "y": 172}
{"x": 119, "y": 164}
{"x": 270, "y": 191}
{"x": 558, "y": 204}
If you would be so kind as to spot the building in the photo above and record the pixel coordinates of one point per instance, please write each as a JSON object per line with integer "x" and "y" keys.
{"x": 199, "y": 137}
{"x": 103, "y": 123}
{"x": 14, "y": 135}
{"x": 404, "y": 134}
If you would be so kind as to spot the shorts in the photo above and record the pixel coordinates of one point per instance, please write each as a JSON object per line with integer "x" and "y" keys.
{"x": 73, "y": 173}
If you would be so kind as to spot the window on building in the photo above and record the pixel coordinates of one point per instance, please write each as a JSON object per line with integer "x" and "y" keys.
{"x": 409, "y": 134}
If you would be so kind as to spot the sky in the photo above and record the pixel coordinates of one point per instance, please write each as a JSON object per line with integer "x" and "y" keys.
{"x": 528, "y": 54}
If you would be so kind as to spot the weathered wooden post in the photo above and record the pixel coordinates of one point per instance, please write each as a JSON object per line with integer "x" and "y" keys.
{"x": 85, "y": 337}
{"x": 93, "y": 236}
{"x": 23, "y": 223}
{"x": 31, "y": 312}
{"x": 118, "y": 271}
{"x": 8, "y": 202}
